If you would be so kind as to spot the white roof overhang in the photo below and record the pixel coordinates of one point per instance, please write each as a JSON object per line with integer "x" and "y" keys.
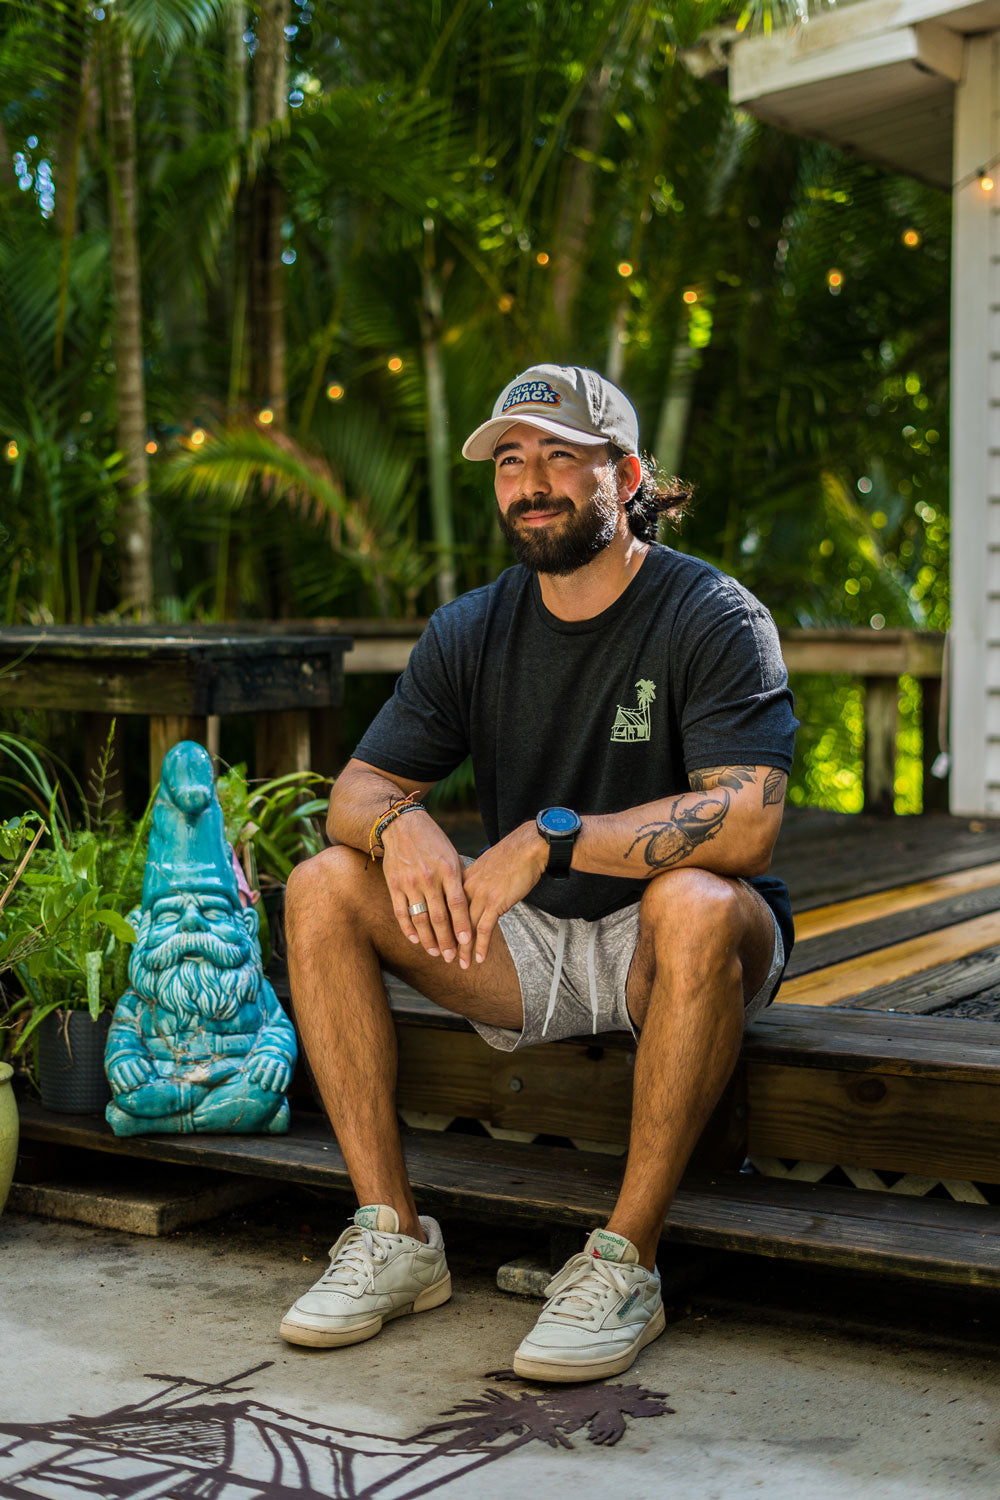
{"x": 876, "y": 77}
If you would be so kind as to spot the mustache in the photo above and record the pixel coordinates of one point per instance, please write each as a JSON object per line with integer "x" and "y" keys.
{"x": 187, "y": 945}
{"x": 550, "y": 507}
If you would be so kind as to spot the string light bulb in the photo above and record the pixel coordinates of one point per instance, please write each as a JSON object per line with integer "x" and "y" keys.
{"x": 835, "y": 280}
{"x": 911, "y": 238}
{"x": 335, "y": 392}
{"x": 265, "y": 417}
{"x": 198, "y": 436}
{"x": 152, "y": 447}
{"x": 690, "y": 296}
{"x": 986, "y": 182}
{"x": 625, "y": 268}
{"x": 542, "y": 258}
{"x": 395, "y": 364}
{"x": 12, "y": 451}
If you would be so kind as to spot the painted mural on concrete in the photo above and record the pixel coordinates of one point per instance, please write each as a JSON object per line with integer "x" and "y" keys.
{"x": 192, "y": 1440}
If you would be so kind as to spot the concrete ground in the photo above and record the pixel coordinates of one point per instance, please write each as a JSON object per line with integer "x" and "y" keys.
{"x": 125, "y": 1367}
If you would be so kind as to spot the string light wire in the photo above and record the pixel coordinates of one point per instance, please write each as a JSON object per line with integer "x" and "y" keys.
{"x": 985, "y": 171}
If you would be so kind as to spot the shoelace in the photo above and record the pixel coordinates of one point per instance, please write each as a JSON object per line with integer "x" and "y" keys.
{"x": 582, "y": 1286}
{"x": 359, "y": 1254}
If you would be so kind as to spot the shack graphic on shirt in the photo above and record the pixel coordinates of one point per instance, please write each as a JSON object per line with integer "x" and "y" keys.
{"x": 633, "y": 723}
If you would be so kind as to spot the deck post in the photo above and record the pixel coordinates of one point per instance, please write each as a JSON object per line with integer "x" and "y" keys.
{"x": 881, "y": 718}
{"x": 282, "y": 743}
{"x": 935, "y": 789}
{"x": 166, "y": 729}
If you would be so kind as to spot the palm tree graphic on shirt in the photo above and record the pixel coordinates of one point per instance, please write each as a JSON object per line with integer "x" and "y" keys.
{"x": 633, "y": 723}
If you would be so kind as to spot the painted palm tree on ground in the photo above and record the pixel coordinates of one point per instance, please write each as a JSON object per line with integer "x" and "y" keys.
{"x": 512, "y": 1420}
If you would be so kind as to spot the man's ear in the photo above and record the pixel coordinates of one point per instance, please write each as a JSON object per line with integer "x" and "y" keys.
{"x": 629, "y": 476}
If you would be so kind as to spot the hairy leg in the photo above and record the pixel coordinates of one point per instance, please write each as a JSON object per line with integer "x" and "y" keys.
{"x": 705, "y": 946}
{"x": 341, "y": 934}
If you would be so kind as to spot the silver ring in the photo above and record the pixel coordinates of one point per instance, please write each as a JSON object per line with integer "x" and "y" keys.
{"x": 417, "y": 909}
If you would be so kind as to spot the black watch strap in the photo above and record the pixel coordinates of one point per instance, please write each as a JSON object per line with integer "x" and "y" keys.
{"x": 560, "y": 827}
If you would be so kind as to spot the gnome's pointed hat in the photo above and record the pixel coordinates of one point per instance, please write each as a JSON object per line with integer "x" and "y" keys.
{"x": 187, "y": 845}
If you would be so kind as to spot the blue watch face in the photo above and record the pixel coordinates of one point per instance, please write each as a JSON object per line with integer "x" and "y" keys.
{"x": 559, "y": 820}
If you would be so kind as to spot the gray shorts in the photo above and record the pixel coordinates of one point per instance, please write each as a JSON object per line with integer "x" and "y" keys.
{"x": 573, "y": 974}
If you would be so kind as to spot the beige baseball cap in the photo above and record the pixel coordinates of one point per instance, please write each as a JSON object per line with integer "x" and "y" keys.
{"x": 566, "y": 401}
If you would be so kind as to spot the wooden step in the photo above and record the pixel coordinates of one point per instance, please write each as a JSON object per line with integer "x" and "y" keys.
{"x": 853, "y": 1088}
{"x": 952, "y": 1243}
{"x": 857, "y": 1088}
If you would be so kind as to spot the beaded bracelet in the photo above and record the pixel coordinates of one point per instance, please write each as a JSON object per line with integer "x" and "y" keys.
{"x": 390, "y": 817}
{"x": 381, "y": 823}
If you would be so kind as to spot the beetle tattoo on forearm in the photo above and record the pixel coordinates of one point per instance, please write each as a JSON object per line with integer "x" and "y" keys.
{"x": 690, "y": 823}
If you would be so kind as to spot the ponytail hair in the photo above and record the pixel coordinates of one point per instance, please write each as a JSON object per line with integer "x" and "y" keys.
{"x": 659, "y": 497}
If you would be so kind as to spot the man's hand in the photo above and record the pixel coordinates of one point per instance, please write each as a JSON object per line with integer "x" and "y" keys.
{"x": 501, "y": 877}
{"x": 422, "y": 866}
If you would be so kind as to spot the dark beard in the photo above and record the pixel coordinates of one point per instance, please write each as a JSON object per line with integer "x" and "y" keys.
{"x": 580, "y": 538}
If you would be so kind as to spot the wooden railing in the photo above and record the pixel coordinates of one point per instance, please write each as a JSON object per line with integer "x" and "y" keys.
{"x": 288, "y": 674}
{"x": 880, "y": 658}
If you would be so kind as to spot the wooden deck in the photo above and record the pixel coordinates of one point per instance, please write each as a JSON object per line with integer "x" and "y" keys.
{"x": 868, "y": 1109}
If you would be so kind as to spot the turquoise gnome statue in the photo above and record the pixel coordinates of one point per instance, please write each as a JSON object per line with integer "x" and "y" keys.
{"x": 199, "y": 1041}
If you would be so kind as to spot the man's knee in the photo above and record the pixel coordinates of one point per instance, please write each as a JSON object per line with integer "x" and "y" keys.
{"x": 682, "y": 907}
{"x": 690, "y": 927}
{"x": 324, "y": 890}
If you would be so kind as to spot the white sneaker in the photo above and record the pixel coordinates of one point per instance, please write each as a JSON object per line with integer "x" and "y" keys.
{"x": 603, "y": 1308}
{"x": 375, "y": 1273}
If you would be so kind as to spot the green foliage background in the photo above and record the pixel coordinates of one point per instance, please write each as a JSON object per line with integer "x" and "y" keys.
{"x": 465, "y": 188}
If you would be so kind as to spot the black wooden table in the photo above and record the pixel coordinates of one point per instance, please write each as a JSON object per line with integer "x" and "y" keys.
{"x": 183, "y": 680}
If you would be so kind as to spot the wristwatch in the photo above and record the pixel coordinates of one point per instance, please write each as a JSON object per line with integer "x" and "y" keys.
{"x": 559, "y": 827}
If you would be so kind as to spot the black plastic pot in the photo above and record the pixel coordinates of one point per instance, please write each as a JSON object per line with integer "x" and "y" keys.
{"x": 71, "y": 1073}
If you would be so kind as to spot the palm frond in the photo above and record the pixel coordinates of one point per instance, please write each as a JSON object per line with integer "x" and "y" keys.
{"x": 169, "y": 24}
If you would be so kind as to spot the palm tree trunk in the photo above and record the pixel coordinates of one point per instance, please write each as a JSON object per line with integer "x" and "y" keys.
{"x": 437, "y": 427}
{"x": 574, "y": 217}
{"x": 675, "y": 410}
{"x": 267, "y": 285}
{"x": 135, "y": 531}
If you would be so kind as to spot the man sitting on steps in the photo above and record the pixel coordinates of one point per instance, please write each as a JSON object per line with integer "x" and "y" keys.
{"x": 630, "y": 726}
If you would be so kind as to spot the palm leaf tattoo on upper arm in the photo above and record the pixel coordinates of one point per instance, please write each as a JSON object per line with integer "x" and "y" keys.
{"x": 734, "y": 777}
{"x": 774, "y": 787}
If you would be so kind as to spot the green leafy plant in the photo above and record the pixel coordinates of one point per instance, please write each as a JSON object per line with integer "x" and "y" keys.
{"x": 65, "y": 896}
{"x": 65, "y": 934}
{"x": 274, "y": 824}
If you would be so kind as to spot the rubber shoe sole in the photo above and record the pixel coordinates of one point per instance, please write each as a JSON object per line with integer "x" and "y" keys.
{"x": 317, "y": 1338}
{"x": 531, "y": 1368}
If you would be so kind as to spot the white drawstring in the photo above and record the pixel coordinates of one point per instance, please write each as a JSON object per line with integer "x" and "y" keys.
{"x": 592, "y": 974}
{"x": 556, "y": 973}
{"x": 557, "y": 969}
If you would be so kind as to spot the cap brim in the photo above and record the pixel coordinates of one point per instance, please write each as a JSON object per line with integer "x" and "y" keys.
{"x": 481, "y": 443}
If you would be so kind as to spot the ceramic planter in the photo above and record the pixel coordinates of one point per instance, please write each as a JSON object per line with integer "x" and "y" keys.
{"x": 8, "y": 1131}
{"x": 71, "y": 1074}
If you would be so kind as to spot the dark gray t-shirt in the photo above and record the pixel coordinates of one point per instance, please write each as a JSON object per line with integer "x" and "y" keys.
{"x": 682, "y": 672}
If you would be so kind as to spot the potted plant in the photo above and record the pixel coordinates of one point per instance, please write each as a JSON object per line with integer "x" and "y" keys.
{"x": 65, "y": 939}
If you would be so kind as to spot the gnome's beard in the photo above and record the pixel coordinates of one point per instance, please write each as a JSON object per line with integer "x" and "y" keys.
{"x": 197, "y": 972}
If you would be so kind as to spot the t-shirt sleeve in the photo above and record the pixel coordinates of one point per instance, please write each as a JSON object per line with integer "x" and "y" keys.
{"x": 737, "y": 706}
{"x": 422, "y": 731}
